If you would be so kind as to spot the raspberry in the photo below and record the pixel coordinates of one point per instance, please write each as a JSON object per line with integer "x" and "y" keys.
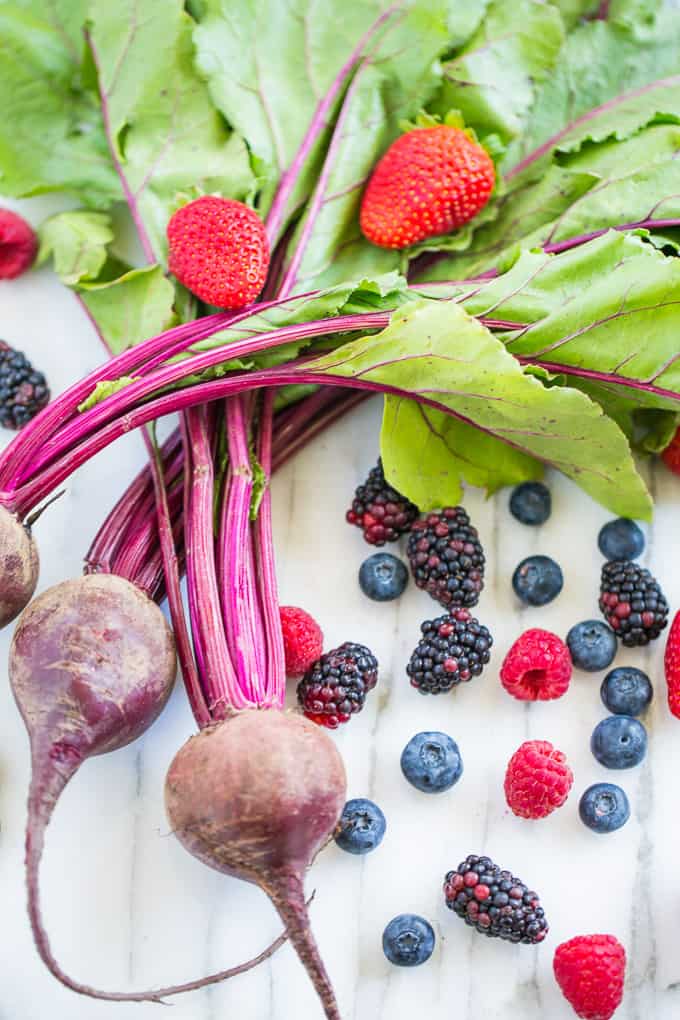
{"x": 382, "y": 512}
{"x": 537, "y": 667}
{"x": 302, "y": 640}
{"x": 671, "y": 455}
{"x": 672, "y": 666}
{"x": 495, "y": 902}
{"x": 537, "y": 780}
{"x": 335, "y": 687}
{"x": 590, "y": 970}
{"x": 632, "y": 602}
{"x": 18, "y": 245}
{"x": 452, "y": 650}
{"x": 447, "y": 558}
{"x": 218, "y": 249}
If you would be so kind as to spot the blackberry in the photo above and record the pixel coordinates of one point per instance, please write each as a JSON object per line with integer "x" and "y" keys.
{"x": 382, "y": 512}
{"x": 336, "y": 685}
{"x": 632, "y": 602}
{"x": 23, "y": 391}
{"x": 495, "y": 902}
{"x": 446, "y": 557}
{"x": 452, "y": 650}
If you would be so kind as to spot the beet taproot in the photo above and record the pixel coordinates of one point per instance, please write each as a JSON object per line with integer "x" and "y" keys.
{"x": 19, "y": 566}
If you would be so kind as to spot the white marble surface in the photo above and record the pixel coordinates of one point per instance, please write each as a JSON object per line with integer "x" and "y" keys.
{"x": 128, "y": 908}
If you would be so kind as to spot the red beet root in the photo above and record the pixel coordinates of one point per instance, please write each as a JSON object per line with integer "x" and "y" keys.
{"x": 256, "y": 797}
{"x": 19, "y": 566}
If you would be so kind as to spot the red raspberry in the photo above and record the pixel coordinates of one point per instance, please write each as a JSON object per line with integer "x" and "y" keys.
{"x": 671, "y": 455}
{"x": 537, "y": 667}
{"x": 537, "y": 780}
{"x": 672, "y": 666}
{"x": 218, "y": 248}
{"x": 302, "y": 640}
{"x": 18, "y": 245}
{"x": 590, "y": 970}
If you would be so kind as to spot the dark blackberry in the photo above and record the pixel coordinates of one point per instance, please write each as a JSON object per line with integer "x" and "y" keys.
{"x": 447, "y": 558}
{"x": 495, "y": 902}
{"x": 452, "y": 650}
{"x": 23, "y": 391}
{"x": 382, "y": 512}
{"x": 336, "y": 685}
{"x": 632, "y": 602}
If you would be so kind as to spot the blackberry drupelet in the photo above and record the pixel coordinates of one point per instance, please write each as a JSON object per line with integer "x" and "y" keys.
{"x": 452, "y": 650}
{"x": 632, "y": 602}
{"x": 495, "y": 902}
{"x": 382, "y": 512}
{"x": 447, "y": 558}
{"x": 23, "y": 391}
{"x": 335, "y": 686}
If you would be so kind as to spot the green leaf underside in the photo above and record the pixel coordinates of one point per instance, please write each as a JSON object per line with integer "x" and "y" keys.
{"x": 137, "y": 305}
{"x": 77, "y": 242}
{"x": 435, "y": 350}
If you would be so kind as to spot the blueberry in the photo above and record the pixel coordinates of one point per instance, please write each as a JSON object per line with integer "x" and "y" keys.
{"x": 431, "y": 762}
{"x": 408, "y": 940}
{"x": 383, "y": 577}
{"x": 531, "y": 503}
{"x": 621, "y": 539}
{"x": 626, "y": 691}
{"x": 361, "y": 826}
{"x": 592, "y": 645}
{"x": 604, "y": 807}
{"x": 619, "y": 742}
{"x": 537, "y": 580}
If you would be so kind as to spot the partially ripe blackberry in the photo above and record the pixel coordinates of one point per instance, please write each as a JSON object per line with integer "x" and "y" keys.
{"x": 379, "y": 510}
{"x": 446, "y": 556}
{"x": 452, "y": 650}
{"x": 23, "y": 391}
{"x": 632, "y": 602}
{"x": 495, "y": 902}
{"x": 335, "y": 687}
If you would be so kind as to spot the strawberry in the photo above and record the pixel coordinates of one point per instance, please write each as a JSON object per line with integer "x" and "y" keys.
{"x": 590, "y": 970}
{"x": 671, "y": 455}
{"x": 672, "y": 666}
{"x": 18, "y": 245}
{"x": 430, "y": 181}
{"x": 218, "y": 249}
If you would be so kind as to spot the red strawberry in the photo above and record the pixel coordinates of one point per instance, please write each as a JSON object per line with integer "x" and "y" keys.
{"x": 537, "y": 780}
{"x": 537, "y": 667}
{"x": 671, "y": 455}
{"x": 219, "y": 251}
{"x": 302, "y": 640}
{"x": 672, "y": 666}
{"x": 18, "y": 245}
{"x": 590, "y": 970}
{"x": 430, "y": 181}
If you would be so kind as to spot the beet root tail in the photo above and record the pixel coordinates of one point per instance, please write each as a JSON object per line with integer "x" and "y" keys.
{"x": 287, "y": 895}
{"x": 47, "y": 783}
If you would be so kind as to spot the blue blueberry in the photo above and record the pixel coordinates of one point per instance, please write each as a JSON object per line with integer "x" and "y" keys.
{"x": 531, "y": 503}
{"x": 621, "y": 539}
{"x": 408, "y": 940}
{"x": 431, "y": 762}
{"x": 383, "y": 577}
{"x": 592, "y": 645}
{"x": 626, "y": 691}
{"x": 537, "y": 580}
{"x": 619, "y": 742}
{"x": 604, "y": 807}
{"x": 361, "y": 827}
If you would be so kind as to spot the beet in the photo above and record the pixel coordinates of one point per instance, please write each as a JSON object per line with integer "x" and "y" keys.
{"x": 256, "y": 797}
{"x": 92, "y": 663}
{"x": 19, "y": 566}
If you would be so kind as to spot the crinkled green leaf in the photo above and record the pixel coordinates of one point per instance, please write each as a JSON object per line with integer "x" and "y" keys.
{"x": 77, "y": 242}
{"x": 436, "y": 351}
{"x": 106, "y": 388}
{"x": 130, "y": 309}
{"x": 51, "y": 134}
{"x": 573, "y": 10}
{"x": 168, "y": 136}
{"x": 66, "y": 17}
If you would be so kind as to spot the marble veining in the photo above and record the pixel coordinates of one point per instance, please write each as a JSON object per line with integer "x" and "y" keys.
{"x": 128, "y": 908}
